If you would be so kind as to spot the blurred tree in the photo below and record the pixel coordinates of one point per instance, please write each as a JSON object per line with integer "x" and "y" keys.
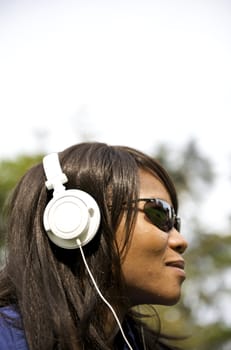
{"x": 202, "y": 313}
{"x": 10, "y": 173}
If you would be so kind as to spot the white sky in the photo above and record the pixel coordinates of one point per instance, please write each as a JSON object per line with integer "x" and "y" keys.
{"x": 135, "y": 72}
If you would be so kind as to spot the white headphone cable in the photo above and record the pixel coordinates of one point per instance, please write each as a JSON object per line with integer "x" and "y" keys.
{"x": 101, "y": 295}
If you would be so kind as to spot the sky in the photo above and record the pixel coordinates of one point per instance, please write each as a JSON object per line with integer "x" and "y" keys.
{"x": 138, "y": 73}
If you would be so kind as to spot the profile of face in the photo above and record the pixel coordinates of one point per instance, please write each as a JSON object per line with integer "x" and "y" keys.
{"x": 153, "y": 266}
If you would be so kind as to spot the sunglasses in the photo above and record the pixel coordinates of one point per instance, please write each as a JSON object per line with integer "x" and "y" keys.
{"x": 161, "y": 214}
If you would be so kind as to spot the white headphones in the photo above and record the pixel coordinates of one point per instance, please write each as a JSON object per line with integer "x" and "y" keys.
{"x": 71, "y": 218}
{"x": 71, "y": 215}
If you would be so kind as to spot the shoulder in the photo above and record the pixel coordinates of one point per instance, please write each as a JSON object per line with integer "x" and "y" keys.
{"x": 11, "y": 335}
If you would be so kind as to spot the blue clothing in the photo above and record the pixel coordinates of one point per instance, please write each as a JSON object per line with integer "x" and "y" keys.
{"x": 130, "y": 335}
{"x": 11, "y": 337}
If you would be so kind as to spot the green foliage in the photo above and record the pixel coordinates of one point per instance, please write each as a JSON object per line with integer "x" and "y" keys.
{"x": 10, "y": 172}
{"x": 189, "y": 169}
{"x": 208, "y": 258}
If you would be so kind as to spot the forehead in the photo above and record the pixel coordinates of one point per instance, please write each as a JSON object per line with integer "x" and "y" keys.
{"x": 152, "y": 187}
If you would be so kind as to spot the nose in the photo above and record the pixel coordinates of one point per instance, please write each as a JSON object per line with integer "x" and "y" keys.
{"x": 177, "y": 242}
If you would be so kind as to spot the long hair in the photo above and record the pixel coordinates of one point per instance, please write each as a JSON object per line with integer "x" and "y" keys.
{"x": 50, "y": 287}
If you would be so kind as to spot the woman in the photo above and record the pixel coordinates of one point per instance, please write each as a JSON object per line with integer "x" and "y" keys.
{"x": 59, "y": 292}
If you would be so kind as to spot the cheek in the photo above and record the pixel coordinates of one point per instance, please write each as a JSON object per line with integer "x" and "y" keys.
{"x": 148, "y": 239}
{"x": 143, "y": 271}
{"x": 145, "y": 256}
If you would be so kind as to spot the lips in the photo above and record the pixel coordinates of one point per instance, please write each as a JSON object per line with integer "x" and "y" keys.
{"x": 180, "y": 264}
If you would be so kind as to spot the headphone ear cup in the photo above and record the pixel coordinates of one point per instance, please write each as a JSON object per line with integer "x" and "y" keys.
{"x": 71, "y": 215}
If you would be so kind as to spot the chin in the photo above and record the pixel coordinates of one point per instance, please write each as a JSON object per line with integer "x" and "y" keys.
{"x": 170, "y": 300}
{"x": 167, "y": 299}
{"x": 151, "y": 299}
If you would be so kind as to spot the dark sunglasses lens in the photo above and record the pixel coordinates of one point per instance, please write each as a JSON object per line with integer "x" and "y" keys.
{"x": 160, "y": 214}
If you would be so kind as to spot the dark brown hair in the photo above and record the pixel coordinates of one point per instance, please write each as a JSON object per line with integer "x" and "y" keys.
{"x": 49, "y": 285}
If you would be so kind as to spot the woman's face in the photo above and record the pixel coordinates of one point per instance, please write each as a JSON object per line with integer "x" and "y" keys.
{"x": 153, "y": 265}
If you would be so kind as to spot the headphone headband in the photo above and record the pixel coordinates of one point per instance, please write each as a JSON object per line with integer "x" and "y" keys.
{"x": 55, "y": 177}
{"x": 71, "y": 215}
